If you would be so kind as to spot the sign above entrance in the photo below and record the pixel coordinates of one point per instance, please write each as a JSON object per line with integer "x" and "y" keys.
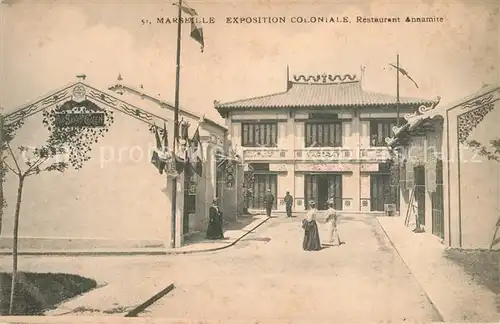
{"x": 323, "y": 167}
{"x": 369, "y": 167}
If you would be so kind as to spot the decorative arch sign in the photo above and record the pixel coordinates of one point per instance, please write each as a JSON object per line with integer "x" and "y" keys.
{"x": 81, "y": 122}
{"x": 79, "y": 112}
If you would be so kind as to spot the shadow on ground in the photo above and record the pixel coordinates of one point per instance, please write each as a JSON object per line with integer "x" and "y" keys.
{"x": 37, "y": 292}
{"x": 234, "y": 225}
{"x": 482, "y": 266}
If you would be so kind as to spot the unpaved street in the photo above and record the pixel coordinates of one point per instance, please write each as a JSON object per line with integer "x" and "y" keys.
{"x": 268, "y": 276}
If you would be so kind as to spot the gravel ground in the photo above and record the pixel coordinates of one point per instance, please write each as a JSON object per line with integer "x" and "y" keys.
{"x": 267, "y": 276}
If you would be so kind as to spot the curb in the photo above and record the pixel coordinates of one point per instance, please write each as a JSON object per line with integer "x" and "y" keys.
{"x": 134, "y": 253}
{"x": 261, "y": 222}
{"x": 436, "y": 308}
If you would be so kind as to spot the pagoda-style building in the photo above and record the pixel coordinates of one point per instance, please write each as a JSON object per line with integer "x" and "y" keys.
{"x": 323, "y": 137}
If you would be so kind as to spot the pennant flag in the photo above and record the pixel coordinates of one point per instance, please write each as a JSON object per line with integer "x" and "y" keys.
{"x": 158, "y": 157}
{"x": 165, "y": 138}
{"x": 187, "y": 9}
{"x": 403, "y": 72}
{"x": 196, "y": 28}
{"x": 197, "y": 154}
{"x": 197, "y": 34}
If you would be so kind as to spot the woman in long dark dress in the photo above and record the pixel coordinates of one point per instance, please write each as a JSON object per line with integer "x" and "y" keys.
{"x": 311, "y": 234}
{"x": 214, "y": 229}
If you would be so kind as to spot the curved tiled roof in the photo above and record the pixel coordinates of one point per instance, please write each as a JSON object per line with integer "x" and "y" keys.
{"x": 346, "y": 94}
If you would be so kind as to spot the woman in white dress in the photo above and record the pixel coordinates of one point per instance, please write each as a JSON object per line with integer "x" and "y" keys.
{"x": 331, "y": 220}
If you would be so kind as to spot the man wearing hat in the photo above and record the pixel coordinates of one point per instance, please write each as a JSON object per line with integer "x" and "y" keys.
{"x": 288, "y": 203}
{"x": 269, "y": 202}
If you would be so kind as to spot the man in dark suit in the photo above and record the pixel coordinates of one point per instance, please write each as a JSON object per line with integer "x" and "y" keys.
{"x": 288, "y": 203}
{"x": 269, "y": 202}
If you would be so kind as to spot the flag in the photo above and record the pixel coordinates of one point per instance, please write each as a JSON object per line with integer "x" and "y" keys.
{"x": 187, "y": 9}
{"x": 158, "y": 157}
{"x": 197, "y": 34}
{"x": 196, "y": 28}
{"x": 403, "y": 72}
{"x": 165, "y": 138}
{"x": 196, "y": 158}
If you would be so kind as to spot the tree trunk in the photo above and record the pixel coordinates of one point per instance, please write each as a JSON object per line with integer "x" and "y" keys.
{"x": 2, "y": 175}
{"x": 1, "y": 193}
{"x": 14, "y": 244}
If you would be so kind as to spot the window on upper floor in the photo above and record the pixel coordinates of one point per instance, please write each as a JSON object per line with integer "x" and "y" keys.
{"x": 328, "y": 134}
{"x": 259, "y": 134}
{"x": 380, "y": 130}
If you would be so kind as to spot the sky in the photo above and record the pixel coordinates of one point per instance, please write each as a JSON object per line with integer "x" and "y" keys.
{"x": 45, "y": 44}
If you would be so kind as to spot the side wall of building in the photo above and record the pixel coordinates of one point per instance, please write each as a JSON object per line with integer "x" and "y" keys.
{"x": 474, "y": 181}
{"x": 117, "y": 195}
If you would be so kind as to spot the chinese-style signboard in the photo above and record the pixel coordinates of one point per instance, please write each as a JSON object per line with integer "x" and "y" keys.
{"x": 85, "y": 119}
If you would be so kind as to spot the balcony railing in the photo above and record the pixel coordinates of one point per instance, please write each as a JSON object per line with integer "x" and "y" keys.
{"x": 373, "y": 154}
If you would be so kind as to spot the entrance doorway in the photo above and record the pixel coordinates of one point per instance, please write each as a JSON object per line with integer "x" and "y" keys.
{"x": 258, "y": 189}
{"x": 437, "y": 203}
{"x": 382, "y": 192}
{"x": 420, "y": 193}
{"x": 321, "y": 187}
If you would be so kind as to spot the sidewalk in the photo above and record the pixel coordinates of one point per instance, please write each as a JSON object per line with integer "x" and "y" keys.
{"x": 112, "y": 299}
{"x": 200, "y": 244}
{"x": 456, "y": 296}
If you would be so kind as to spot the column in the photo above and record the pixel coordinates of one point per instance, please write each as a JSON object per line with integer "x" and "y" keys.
{"x": 351, "y": 188}
{"x": 179, "y": 238}
{"x": 298, "y": 195}
{"x": 206, "y": 192}
{"x": 364, "y": 192}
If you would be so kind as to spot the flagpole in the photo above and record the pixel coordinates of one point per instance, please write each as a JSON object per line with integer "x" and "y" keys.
{"x": 397, "y": 91}
{"x": 176, "y": 123}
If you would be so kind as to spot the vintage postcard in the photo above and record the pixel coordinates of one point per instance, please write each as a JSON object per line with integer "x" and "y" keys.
{"x": 249, "y": 161}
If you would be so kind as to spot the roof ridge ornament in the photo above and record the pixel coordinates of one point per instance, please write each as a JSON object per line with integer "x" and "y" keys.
{"x": 423, "y": 109}
{"x": 325, "y": 78}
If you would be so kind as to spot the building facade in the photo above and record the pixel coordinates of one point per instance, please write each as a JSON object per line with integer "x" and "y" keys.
{"x": 117, "y": 198}
{"x": 323, "y": 137}
{"x": 450, "y": 172}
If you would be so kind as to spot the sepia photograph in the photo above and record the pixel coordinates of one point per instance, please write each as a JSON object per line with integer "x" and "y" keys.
{"x": 253, "y": 161}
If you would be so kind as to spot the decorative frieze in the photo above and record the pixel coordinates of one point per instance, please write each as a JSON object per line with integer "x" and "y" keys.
{"x": 469, "y": 120}
{"x": 326, "y": 153}
{"x": 324, "y": 78}
{"x": 277, "y": 167}
{"x": 369, "y": 167}
{"x": 263, "y": 153}
{"x": 374, "y": 154}
{"x": 323, "y": 167}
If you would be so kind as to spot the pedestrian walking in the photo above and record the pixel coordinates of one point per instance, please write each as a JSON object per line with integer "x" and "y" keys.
{"x": 269, "y": 202}
{"x": 332, "y": 217}
{"x": 311, "y": 234}
{"x": 288, "y": 203}
{"x": 215, "y": 220}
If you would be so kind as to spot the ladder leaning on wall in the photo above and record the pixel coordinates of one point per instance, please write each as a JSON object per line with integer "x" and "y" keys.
{"x": 411, "y": 211}
{"x": 495, "y": 240}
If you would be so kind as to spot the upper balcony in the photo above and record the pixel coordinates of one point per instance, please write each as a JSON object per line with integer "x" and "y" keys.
{"x": 338, "y": 154}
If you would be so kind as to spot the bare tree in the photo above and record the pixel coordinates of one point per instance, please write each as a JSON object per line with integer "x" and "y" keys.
{"x": 23, "y": 164}
{"x": 67, "y": 144}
